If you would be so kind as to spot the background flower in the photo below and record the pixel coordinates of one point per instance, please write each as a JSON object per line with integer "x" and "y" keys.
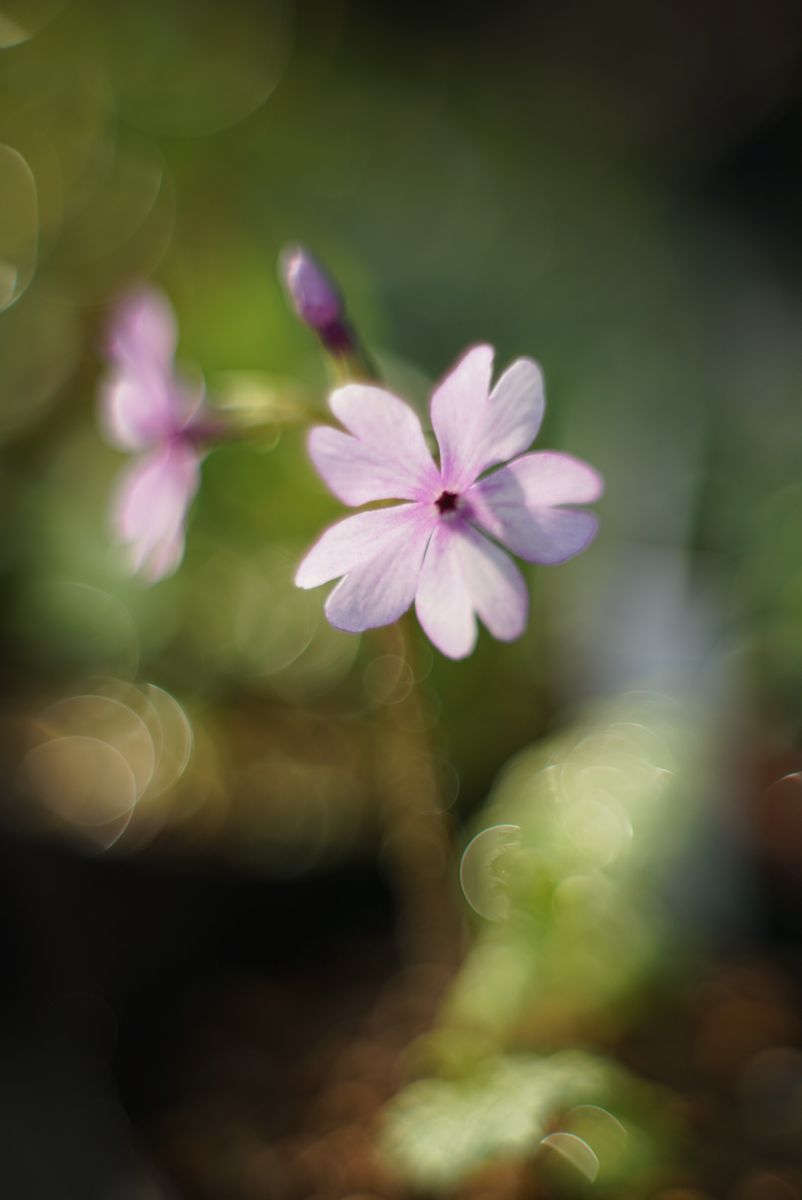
{"x": 147, "y": 410}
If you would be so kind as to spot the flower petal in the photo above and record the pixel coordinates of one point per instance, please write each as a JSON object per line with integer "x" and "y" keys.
{"x": 513, "y": 416}
{"x": 477, "y": 431}
{"x": 385, "y": 459}
{"x": 143, "y": 400}
{"x": 150, "y": 507}
{"x": 143, "y": 328}
{"x": 550, "y": 477}
{"x": 379, "y": 590}
{"x": 352, "y": 542}
{"x": 463, "y": 573}
{"x": 165, "y": 557}
{"x": 516, "y": 506}
{"x": 496, "y": 587}
{"x": 458, "y": 410}
{"x": 135, "y": 409}
{"x": 442, "y": 601}
{"x": 355, "y": 473}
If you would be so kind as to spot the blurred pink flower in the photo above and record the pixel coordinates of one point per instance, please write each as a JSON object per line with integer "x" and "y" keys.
{"x": 149, "y": 411}
{"x": 433, "y": 550}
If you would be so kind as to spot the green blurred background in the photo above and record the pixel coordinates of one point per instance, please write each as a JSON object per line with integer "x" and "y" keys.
{"x": 613, "y": 189}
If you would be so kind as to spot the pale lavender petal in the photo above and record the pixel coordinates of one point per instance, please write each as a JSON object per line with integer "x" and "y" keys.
{"x": 380, "y": 590}
{"x": 465, "y": 574}
{"x": 547, "y": 535}
{"x": 143, "y": 328}
{"x": 516, "y": 505}
{"x": 354, "y": 541}
{"x": 551, "y": 477}
{"x": 477, "y": 431}
{"x": 442, "y": 601}
{"x": 513, "y": 416}
{"x": 151, "y": 504}
{"x": 142, "y": 400}
{"x": 458, "y": 413}
{"x": 140, "y": 408}
{"x": 135, "y": 410}
{"x": 164, "y": 558}
{"x": 385, "y": 459}
{"x": 353, "y": 472}
{"x": 496, "y": 587}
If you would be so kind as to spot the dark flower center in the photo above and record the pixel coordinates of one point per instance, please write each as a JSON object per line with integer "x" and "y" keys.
{"x": 447, "y": 502}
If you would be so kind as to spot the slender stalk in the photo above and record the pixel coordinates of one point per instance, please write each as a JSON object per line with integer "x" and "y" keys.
{"x": 419, "y": 847}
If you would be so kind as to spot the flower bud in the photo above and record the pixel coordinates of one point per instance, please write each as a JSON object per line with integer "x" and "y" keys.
{"x": 315, "y": 298}
{"x": 319, "y": 304}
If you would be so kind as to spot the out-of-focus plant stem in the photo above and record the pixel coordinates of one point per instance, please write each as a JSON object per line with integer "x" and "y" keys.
{"x": 419, "y": 848}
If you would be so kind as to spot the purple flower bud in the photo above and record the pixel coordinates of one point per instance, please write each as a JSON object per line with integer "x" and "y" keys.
{"x": 316, "y": 299}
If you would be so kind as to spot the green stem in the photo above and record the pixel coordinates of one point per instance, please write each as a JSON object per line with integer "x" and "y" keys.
{"x": 420, "y": 850}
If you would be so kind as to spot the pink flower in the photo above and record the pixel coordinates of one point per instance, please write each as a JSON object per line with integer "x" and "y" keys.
{"x": 436, "y": 548}
{"x": 147, "y": 410}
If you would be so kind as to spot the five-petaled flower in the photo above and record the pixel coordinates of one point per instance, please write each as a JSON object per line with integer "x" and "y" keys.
{"x": 436, "y": 549}
{"x": 148, "y": 410}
